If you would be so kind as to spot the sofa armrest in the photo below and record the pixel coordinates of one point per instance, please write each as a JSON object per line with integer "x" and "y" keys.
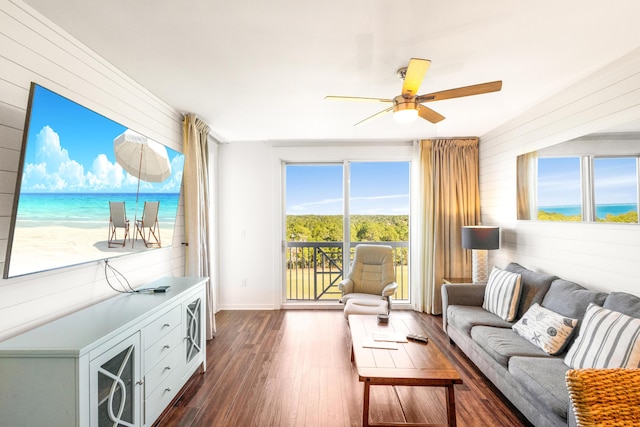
{"x": 461, "y": 294}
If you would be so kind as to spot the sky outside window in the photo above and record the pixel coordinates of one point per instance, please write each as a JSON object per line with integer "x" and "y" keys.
{"x": 615, "y": 180}
{"x": 314, "y": 189}
{"x": 377, "y": 188}
{"x": 559, "y": 182}
{"x": 615, "y": 185}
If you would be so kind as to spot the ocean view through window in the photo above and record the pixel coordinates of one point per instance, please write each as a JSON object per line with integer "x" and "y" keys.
{"x": 615, "y": 183}
{"x": 559, "y": 192}
{"x": 600, "y": 189}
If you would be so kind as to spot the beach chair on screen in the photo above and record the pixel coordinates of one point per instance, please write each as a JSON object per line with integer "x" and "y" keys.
{"x": 147, "y": 227}
{"x": 117, "y": 219}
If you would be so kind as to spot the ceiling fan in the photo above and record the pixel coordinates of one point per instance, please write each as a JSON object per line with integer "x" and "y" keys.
{"x": 408, "y": 106}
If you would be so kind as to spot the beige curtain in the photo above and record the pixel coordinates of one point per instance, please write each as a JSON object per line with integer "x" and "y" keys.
{"x": 450, "y": 200}
{"x": 527, "y": 166}
{"x": 198, "y": 207}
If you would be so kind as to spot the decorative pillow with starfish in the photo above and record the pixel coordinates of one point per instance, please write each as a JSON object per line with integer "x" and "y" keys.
{"x": 546, "y": 329}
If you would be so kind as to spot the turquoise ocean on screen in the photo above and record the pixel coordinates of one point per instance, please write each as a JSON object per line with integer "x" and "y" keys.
{"x": 88, "y": 210}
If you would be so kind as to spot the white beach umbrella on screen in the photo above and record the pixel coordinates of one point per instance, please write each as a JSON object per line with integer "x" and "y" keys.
{"x": 141, "y": 157}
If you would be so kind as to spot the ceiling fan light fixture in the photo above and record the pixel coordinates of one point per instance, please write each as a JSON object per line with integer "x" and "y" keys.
{"x": 405, "y": 116}
{"x": 405, "y": 111}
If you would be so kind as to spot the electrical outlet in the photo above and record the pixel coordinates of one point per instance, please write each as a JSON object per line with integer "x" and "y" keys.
{"x": 243, "y": 283}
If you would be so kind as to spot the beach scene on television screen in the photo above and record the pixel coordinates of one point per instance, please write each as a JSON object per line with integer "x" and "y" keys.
{"x": 87, "y": 184}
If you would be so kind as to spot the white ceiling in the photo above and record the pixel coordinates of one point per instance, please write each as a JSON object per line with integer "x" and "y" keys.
{"x": 259, "y": 70}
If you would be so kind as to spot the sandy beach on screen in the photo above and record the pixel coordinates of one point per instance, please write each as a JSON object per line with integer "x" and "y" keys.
{"x": 44, "y": 248}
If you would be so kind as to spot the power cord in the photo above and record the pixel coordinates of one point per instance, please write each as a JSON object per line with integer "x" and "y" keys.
{"x": 119, "y": 277}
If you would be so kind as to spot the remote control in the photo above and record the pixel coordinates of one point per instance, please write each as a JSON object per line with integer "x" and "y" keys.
{"x": 416, "y": 337}
{"x": 158, "y": 290}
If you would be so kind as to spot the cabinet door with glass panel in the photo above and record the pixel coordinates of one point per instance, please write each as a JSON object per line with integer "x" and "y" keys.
{"x": 115, "y": 385}
{"x": 194, "y": 335}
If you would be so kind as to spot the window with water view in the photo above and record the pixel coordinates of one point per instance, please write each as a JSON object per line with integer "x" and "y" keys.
{"x": 563, "y": 184}
{"x": 559, "y": 189}
{"x": 615, "y": 183}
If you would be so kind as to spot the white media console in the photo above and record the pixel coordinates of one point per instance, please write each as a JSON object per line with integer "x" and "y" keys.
{"x": 119, "y": 362}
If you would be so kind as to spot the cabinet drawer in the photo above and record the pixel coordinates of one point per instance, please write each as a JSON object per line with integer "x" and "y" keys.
{"x": 162, "y": 348}
{"x": 159, "y": 374}
{"x": 157, "y": 401}
{"x": 161, "y": 326}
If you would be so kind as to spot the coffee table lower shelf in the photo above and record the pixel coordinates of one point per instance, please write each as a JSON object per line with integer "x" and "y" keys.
{"x": 412, "y": 364}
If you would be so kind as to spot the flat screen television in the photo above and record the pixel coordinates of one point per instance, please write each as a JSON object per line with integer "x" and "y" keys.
{"x": 68, "y": 175}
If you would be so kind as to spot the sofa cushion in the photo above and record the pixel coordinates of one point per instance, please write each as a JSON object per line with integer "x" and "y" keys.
{"x": 465, "y": 317}
{"x": 502, "y": 344}
{"x": 502, "y": 294}
{"x": 544, "y": 378}
{"x": 571, "y": 299}
{"x": 533, "y": 288}
{"x": 624, "y": 303}
{"x": 608, "y": 339}
{"x": 545, "y": 329}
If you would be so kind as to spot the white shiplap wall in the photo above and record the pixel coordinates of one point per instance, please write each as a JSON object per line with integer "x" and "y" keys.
{"x": 34, "y": 49}
{"x": 598, "y": 256}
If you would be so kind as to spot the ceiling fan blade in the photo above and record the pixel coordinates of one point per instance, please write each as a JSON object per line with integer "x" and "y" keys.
{"x": 356, "y": 98}
{"x": 428, "y": 114}
{"x": 461, "y": 91}
{"x": 416, "y": 71}
{"x": 379, "y": 113}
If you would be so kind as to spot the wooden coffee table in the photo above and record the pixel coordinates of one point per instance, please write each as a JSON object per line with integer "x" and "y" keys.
{"x": 412, "y": 364}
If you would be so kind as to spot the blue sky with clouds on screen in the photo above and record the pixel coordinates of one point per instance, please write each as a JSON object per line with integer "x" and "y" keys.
{"x": 70, "y": 149}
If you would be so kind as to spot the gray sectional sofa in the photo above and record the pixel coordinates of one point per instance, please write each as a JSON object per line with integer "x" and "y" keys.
{"x": 530, "y": 378}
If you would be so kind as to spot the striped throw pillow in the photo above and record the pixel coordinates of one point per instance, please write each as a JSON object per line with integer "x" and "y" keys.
{"x": 502, "y": 294}
{"x": 607, "y": 339}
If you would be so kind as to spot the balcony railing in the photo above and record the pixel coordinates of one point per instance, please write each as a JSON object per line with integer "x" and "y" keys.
{"x": 314, "y": 269}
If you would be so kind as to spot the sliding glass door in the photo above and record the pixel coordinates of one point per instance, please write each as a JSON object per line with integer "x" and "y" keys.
{"x": 314, "y": 231}
{"x": 379, "y": 206}
{"x": 330, "y": 208}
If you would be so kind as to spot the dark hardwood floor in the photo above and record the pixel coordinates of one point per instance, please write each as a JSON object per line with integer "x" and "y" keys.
{"x": 292, "y": 368}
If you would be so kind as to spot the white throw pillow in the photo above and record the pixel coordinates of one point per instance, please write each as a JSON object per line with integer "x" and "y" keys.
{"x": 545, "y": 328}
{"x": 502, "y": 294}
{"x": 607, "y": 339}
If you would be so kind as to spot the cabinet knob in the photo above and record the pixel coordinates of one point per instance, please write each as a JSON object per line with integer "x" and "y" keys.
{"x": 166, "y": 325}
{"x": 167, "y": 389}
{"x": 166, "y": 346}
{"x": 167, "y": 368}
{"x": 140, "y": 382}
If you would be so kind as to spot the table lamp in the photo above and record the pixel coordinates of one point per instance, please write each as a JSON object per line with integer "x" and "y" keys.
{"x": 480, "y": 239}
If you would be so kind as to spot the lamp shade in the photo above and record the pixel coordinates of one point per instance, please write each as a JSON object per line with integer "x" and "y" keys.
{"x": 481, "y": 237}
